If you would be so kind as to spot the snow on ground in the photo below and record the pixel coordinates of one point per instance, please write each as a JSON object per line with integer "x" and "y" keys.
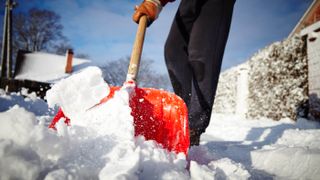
{"x": 266, "y": 148}
{"x": 100, "y": 142}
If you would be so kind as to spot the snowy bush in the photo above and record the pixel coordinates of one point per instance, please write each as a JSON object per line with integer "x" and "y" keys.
{"x": 278, "y": 80}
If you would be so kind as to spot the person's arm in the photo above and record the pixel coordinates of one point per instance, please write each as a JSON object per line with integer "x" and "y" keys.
{"x": 150, "y": 8}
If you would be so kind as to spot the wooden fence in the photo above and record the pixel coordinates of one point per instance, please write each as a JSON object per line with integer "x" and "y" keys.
{"x": 14, "y": 85}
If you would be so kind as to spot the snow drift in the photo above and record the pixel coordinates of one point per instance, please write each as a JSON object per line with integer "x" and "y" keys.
{"x": 100, "y": 143}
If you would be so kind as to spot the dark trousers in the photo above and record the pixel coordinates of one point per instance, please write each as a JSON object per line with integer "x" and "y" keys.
{"x": 193, "y": 53}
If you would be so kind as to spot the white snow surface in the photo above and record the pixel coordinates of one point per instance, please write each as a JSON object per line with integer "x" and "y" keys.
{"x": 100, "y": 142}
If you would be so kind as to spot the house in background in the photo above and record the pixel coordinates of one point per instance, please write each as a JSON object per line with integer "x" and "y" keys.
{"x": 311, "y": 16}
{"x": 37, "y": 71}
{"x": 309, "y": 28}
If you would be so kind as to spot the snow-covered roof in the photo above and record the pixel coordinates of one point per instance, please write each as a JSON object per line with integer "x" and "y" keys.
{"x": 44, "y": 67}
{"x": 310, "y": 16}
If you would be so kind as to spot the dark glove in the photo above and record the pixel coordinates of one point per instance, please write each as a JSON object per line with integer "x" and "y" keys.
{"x": 150, "y": 8}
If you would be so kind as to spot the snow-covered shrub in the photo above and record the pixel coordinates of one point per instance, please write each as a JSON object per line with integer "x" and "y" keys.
{"x": 278, "y": 80}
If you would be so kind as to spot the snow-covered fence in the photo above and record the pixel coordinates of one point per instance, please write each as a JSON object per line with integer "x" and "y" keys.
{"x": 242, "y": 90}
{"x": 16, "y": 85}
{"x": 277, "y": 83}
{"x": 225, "y": 99}
{"x": 231, "y": 92}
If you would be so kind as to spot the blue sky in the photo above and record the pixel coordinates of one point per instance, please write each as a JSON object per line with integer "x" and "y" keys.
{"x": 103, "y": 29}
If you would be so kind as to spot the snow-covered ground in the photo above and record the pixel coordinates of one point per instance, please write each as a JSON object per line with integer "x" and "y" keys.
{"x": 100, "y": 142}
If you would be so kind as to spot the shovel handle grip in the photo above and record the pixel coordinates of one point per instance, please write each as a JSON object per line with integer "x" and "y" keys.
{"x": 137, "y": 50}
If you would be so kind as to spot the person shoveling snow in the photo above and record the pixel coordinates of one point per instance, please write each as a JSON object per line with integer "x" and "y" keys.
{"x": 158, "y": 115}
{"x": 193, "y": 53}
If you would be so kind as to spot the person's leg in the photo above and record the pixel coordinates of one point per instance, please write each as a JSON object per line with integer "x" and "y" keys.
{"x": 205, "y": 50}
{"x": 176, "y": 49}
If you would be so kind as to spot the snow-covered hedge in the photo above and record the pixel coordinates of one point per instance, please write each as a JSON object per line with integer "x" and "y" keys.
{"x": 278, "y": 80}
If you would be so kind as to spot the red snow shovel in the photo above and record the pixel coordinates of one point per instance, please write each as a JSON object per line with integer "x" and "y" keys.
{"x": 158, "y": 115}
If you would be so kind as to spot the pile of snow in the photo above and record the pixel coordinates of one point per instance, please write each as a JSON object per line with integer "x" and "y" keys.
{"x": 100, "y": 142}
{"x": 28, "y": 101}
{"x": 123, "y": 155}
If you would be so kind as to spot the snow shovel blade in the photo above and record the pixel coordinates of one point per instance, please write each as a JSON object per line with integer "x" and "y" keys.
{"x": 161, "y": 116}
{"x": 158, "y": 115}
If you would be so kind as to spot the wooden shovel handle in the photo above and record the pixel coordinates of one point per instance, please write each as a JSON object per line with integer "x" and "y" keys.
{"x": 137, "y": 50}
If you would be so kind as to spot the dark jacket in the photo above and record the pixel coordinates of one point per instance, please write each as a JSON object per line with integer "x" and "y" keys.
{"x": 164, "y": 2}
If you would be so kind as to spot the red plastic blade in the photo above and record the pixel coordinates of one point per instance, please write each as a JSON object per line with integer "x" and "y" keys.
{"x": 158, "y": 115}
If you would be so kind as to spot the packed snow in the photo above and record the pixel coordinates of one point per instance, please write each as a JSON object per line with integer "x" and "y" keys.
{"x": 100, "y": 142}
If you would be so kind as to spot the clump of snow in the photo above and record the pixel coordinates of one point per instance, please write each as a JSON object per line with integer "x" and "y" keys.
{"x": 128, "y": 157}
{"x": 79, "y": 92}
{"x": 21, "y": 123}
{"x": 30, "y": 96}
{"x": 17, "y": 131}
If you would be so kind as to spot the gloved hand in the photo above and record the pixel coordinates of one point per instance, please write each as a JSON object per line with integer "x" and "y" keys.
{"x": 150, "y": 8}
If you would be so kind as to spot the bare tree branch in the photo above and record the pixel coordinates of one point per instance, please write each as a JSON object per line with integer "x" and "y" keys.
{"x": 37, "y": 30}
{"x": 115, "y": 73}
